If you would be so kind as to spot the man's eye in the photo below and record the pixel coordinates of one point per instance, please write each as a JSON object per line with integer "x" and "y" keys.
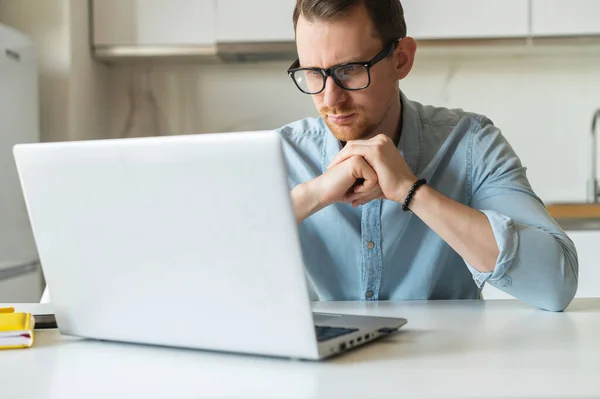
{"x": 350, "y": 70}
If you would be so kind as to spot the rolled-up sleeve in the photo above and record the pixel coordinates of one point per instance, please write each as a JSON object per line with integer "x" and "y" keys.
{"x": 537, "y": 261}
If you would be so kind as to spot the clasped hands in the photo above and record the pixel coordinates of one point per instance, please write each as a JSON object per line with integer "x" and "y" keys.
{"x": 366, "y": 170}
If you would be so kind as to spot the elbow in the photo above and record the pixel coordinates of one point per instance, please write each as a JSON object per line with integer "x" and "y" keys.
{"x": 546, "y": 273}
{"x": 559, "y": 302}
{"x": 562, "y": 285}
{"x": 555, "y": 290}
{"x": 565, "y": 287}
{"x": 560, "y": 295}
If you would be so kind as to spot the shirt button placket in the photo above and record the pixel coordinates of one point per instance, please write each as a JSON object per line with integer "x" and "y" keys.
{"x": 370, "y": 294}
{"x": 371, "y": 250}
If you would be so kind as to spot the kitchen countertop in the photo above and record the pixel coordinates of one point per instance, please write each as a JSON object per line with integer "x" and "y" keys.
{"x": 579, "y": 223}
{"x": 576, "y": 216}
{"x": 459, "y": 349}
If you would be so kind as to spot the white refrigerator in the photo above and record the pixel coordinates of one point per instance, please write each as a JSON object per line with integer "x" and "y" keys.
{"x": 20, "y": 274}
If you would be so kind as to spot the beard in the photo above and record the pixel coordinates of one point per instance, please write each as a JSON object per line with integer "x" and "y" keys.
{"x": 358, "y": 128}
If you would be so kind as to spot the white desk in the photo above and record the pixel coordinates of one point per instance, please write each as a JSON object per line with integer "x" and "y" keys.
{"x": 458, "y": 349}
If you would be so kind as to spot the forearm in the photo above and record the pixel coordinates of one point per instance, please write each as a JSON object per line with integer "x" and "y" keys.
{"x": 466, "y": 230}
{"x": 535, "y": 265}
{"x": 305, "y": 201}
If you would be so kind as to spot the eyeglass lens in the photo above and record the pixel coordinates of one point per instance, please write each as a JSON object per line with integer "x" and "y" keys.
{"x": 353, "y": 76}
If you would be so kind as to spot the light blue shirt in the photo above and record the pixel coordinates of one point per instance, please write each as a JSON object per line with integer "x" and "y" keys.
{"x": 379, "y": 252}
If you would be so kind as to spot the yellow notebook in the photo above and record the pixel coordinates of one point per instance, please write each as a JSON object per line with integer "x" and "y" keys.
{"x": 16, "y": 329}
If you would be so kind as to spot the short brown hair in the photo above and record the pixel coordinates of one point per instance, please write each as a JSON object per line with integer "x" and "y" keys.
{"x": 387, "y": 15}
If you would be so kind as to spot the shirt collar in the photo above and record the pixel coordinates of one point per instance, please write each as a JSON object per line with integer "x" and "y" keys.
{"x": 411, "y": 139}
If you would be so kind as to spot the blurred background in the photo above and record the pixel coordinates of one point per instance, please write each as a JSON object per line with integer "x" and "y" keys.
{"x": 94, "y": 69}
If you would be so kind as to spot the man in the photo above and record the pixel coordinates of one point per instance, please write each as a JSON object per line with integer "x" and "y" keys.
{"x": 396, "y": 200}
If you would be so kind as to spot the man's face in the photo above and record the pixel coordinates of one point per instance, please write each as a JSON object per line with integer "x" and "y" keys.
{"x": 350, "y": 115}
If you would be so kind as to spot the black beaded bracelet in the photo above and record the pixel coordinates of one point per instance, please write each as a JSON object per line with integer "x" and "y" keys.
{"x": 414, "y": 188}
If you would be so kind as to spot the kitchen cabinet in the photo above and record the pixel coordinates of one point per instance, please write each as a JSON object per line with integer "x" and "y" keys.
{"x": 466, "y": 19}
{"x": 255, "y": 21}
{"x": 231, "y": 27}
{"x": 565, "y": 18}
{"x": 426, "y": 19}
{"x": 154, "y": 22}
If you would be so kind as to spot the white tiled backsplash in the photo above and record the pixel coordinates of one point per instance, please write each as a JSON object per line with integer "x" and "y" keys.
{"x": 543, "y": 104}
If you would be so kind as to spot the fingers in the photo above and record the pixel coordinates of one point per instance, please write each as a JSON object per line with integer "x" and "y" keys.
{"x": 370, "y": 188}
{"x": 363, "y": 148}
{"x": 351, "y": 149}
{"x": 362, "y": 170}
{"x": 365, "y": 188}
{"x": 357, "y": 201}
{"x": 361, "y": 189}
{"x": 370, "y": 195}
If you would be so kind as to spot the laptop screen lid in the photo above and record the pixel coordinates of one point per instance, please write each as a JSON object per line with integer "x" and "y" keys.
{"x": 196, "y": 233}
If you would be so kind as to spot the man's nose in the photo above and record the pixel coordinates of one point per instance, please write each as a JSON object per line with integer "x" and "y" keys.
{"x": 333, "y": 94}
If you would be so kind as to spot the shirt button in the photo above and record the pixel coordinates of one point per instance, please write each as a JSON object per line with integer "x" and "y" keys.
{"x": 369, "y": 294}
{"x": 370, "y": 245}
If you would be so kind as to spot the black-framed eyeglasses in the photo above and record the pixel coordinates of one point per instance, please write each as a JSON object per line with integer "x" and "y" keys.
{"x": 349, "y": 76}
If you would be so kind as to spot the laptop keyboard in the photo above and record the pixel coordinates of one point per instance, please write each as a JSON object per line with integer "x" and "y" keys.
{"x": 325, "y": 333}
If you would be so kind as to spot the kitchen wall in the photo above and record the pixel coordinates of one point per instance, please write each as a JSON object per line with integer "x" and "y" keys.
{"x": 89, "y": 105}
{"x": 543, "y": 99}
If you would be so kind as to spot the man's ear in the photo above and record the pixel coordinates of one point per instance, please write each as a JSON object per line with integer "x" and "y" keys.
{"x": 404, "y": 56}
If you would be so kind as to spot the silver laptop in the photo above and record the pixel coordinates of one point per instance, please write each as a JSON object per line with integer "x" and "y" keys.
{"x": 186, "y": 241}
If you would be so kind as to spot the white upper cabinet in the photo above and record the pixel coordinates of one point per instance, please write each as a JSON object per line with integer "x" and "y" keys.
{"x": 565, "y": 18}
{"x": 154, "y": 22}
{"x": 467, "y": 19}
{"x": 179, "y": 25}
{"x": 245, "y": 21}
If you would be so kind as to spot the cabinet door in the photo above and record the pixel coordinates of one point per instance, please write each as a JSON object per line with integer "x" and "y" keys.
{"x": 154, "y": 22}
{"x": 255, "y": 21}
{"x": 587, "y": 244}
{"x": 466, "y": 19}
{"x": 565, "y": 18}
